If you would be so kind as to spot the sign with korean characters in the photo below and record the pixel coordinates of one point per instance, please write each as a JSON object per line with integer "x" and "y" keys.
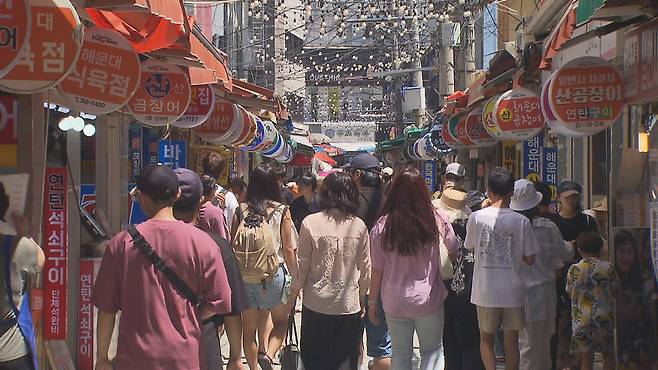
{"x": 475, "y": 130}
{"x": 532, "y": 156}
{"x": 429, "y": 173}
{"x": 489, "y": 118}
{"x": 518, "y": 115}
{"x": 641, "y": 63}
{"x": 202, "y": 102}
{"x": 135, "y": 151}
{"x": 173, "y": 153}
{"x": 52, "y": 51}
{"x": 8, "y": 131}
{"x": 450, "y": 141}
{"x": 549, "y": 173}
{"x": 55, "y": 232}
{"x": 105, "y": 75}
{"x": 163, "y": 94}
{"x": 219, "y": 124}
{"x": 15, "y": 31}
{"x": 511, "y": 159}
{"x": 586, "y": 95}
{"x": 86, "y": 323}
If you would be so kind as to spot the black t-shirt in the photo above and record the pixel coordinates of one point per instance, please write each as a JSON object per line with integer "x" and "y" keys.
{"x": 570, "y": 228}
{"x": 371, "y": 201}
{"x": 299, "y": 209}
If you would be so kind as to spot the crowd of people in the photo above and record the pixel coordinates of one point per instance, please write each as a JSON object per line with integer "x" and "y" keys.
{"x": 365, "y": 250}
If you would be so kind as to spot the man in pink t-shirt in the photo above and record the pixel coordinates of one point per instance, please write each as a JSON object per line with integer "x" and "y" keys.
{"x": 159, "y": 327}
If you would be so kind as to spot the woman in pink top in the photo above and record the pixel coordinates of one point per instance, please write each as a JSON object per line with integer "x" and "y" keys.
{"x": 404, "y": 248}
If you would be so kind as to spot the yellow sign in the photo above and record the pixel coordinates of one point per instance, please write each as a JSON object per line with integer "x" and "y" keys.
{"x": 511, "y": 158}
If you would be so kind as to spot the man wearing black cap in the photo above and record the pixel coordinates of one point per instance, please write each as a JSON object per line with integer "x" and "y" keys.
{"x": 160, "y": 326}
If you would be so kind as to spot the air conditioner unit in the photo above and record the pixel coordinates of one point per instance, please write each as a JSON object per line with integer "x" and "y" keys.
{"x": 413, "y": 98}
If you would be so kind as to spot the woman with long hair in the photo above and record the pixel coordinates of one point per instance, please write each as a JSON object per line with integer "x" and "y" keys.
{"x": 334, "y": 273}
{"x": 405, "y": 254}
{"x": 264, "y": 204}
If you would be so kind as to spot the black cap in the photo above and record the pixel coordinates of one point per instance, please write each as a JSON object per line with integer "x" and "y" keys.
{"x": 190, "y": 185}
{"x": 158, "y": 182}
{"x": 364, "y": 161}
{"x": 569, "y": 187}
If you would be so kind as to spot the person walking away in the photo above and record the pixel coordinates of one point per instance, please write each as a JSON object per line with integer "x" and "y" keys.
{"x": 405, "y": 253}
{"x": 503, "y": 241}
{"x": 160, "y": 327}
{"x": 211, "y": 218}
{"x": 334, "y": 274}
{"x": 453, "y": 178}
{"x": 591, "y": 285}
{"x": 214, "y": 166}
{"x": 571, "y": 221}
{"x": 239, "y": 188}
{"x": 365, "y": 171}
{"x": 461, "y": 335}
{"x": 541, "y": 297}
{"x": 307, "y": 204}
{"x": 20, "y": 258}
{"x": 264, "y": 244}
{"x": 187, "y": 209}
{"x": 282, "y": 179}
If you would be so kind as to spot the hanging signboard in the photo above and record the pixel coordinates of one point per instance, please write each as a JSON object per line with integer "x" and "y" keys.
{"x": 15, "y": 31}
{"x": 510, "y": 159}
{"x": 220, "y": 121}
{"x": 86, "y": 322}
{"x": 162, "y": 96}
{"x": 202, "y": 101}
{"x": 173, "y": 153}
{"x": 55, "y": 232}
{"x": 532, "y": 153}
{"x": 52, "y": 51}
{"x": 105, "y": 75}
{"x": 460, "y": 130}
{"x": 236, "y": 128}
{"x": 429, "y": 173}
{"x": 8, "y": 131}
{"x": 518, "y": 114}
{"x": 641, "y": 63}
{"x": 447, "y": 137}
{"x": 489, "y": 117}
{"x": 135, "y": 151}
{"x": 549, "y": 173}
{"x": 249, "y": 125}
{"x": 586, "y": 95}
{"x": 475, "y": 130}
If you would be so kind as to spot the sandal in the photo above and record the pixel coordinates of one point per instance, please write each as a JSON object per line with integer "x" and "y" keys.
{"x": 264, "y": 361}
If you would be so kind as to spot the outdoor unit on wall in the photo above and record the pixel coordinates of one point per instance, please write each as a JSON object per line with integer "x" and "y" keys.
{"x": 413, "y": 98}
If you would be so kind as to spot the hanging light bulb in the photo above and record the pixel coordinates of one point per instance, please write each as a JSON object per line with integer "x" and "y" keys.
{"x": 78, "y": 124}
{"x": 89, "y": 130}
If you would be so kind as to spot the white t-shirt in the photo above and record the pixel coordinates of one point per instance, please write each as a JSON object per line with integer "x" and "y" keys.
{"x": 552, "y": 253}
{"x": 231, "y": 205}
{"x": 500, "y": 238}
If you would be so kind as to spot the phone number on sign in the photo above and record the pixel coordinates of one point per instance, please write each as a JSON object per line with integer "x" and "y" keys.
{"x": 85, "y": 101}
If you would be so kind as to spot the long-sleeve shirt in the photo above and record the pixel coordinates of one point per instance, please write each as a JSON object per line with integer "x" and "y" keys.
{"x": 334, "y": 263}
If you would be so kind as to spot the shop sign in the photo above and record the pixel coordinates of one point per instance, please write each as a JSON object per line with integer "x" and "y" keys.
{"x": 249, "y": 127}
{"x": 460, "y": 130}
{"x": 532, "y": 153}
{"x": 549, "y": 173}
{"x": 15, "y": 31}
{"x": 447, "y": 137}
{"x": 85, "y": 316}
{"x": 489, "y": 118}
{"x": 260, "y": 136}
{"x": 220, "y": 121}
{"x": 105, "y": 75}
{"x": 235, "y": 130}
{"x": 135, "y": 151}
{"x": 163, "y": 94}
{"x": 510, "y": 159}
{"x": 429, "y": 173}
{"x": 88, "y": 198}
{"x": 56, "y": 251}
{"x": 518, "y": 115}
{"x": 36, "y": 305}
{"x": 150, "y": 138}
{"x": 475, "y": 130}
{"x": 202, "y": 101}
{"x": 586, "y": 95}
{"x": 641, "y": 64}
{"x": 173, "y": 153}
{"x": 52, "y": 51}
{"x": 8, "y": 131}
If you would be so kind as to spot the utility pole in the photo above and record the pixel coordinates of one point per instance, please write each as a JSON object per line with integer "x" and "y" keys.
{"x": 469, "y": 57}
{"x": 419, "y": 117}
{"x": 447, "y": 61}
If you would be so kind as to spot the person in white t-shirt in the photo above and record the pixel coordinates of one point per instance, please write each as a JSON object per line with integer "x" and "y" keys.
{"x": 214, "y": 166}
{"x": 503, "y": 241}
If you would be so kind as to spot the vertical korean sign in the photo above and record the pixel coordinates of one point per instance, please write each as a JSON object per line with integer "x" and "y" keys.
{"x": 549, "y": 173}
{"x": 429, "y": 173}
{"x": 532, "y": 153}
{"x": 56, "y": 245}
{"x": 135, "y": 150}
{"x": 510, "y": 158}
{"x": 85, "y": 317}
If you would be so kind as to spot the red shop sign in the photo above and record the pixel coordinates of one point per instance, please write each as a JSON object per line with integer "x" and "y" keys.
{"x": 475, "y": 130}
{"x": 586, "y": 95}
{"x": 641, "y": 63}
{"x": 86, "y": 316}
{"x": 220, "y": 121}
{"x": 201, "y": 105}
{"x": 52, "y": 51}
{"x": 519, "y": 115}
{"x": 461, "y": 131}
{"x": 105, "y": 75}
{"x": 15, "y": 30}
{"x": 163, "y": 94}
{"x": 447, "y": 136}
{"x": 55, "y": 233}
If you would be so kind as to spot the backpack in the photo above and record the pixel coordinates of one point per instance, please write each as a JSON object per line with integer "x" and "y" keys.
{"x": 254, "y": 247}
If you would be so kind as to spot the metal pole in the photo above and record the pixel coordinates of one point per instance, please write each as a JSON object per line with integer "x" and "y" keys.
{"x": 447, "y": 60}
{"x": 419, "y": 117}
{"x": 469, "y": 58}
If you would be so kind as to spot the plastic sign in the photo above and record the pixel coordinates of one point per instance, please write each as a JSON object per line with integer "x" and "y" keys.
{"x": 586, "y": 95}
{"x": 163, "y": 94}
{"x": 448, "y": 139}
{"x": 220, "y": 121}
{"x": 249, "y": 125}
{"x": 202, "y": 102}
{"x": 489, "y": 118}
{"x": 15, "y": 31}
{"x": 475, "y": 130}
{"x": 52, "y": 51}
{"x": 518, "y": 115}
{"x": 105, "y": 75}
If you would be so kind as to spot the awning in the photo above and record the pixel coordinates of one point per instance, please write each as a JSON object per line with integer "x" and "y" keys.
{"x": 560, "y": 35}
{"x": 301, "y": 140}
{"x": 325, "y": 158}
{"x": 586, "y": 9}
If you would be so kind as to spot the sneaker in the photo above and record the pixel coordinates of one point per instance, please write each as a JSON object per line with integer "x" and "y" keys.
{"x": 265, "y": 362}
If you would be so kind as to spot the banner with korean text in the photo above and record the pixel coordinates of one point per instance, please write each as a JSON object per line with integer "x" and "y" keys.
{"x": 86, "y": 323}
{"x": 55, "y": 247}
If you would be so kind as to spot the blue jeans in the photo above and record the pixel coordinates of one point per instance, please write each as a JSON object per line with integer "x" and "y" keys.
{"x": 378, "y": 338}
{"x": 430, "y": 335}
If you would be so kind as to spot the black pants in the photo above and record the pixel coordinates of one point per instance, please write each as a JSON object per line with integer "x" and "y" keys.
{"x": 211, "y": 347}
{"x": 21, "y": 363}
{"x": 461, "y": 334}
{"x": 330, "y": 340}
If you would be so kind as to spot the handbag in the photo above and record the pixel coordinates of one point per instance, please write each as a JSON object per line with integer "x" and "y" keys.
{"x": 446, "y": 271}
{"x": 290, "y": 357}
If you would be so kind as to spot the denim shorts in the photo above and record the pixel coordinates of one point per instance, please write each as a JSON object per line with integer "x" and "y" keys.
{"x": 378, "y": 338}
{"x": 268, "y": 295}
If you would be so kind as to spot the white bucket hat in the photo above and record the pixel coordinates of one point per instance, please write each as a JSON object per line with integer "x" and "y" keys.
{"x": 525, "y": 196}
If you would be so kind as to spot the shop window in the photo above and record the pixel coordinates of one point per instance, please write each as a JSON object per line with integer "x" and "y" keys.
{"x": 599, "y": 165}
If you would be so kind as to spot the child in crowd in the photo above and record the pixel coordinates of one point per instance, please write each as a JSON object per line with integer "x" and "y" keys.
{"x": 591, "y": 284}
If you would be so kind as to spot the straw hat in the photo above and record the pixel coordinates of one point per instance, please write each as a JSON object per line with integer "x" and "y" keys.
{"x": 601, "y": 206}
{"x": 453, "y": 204}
